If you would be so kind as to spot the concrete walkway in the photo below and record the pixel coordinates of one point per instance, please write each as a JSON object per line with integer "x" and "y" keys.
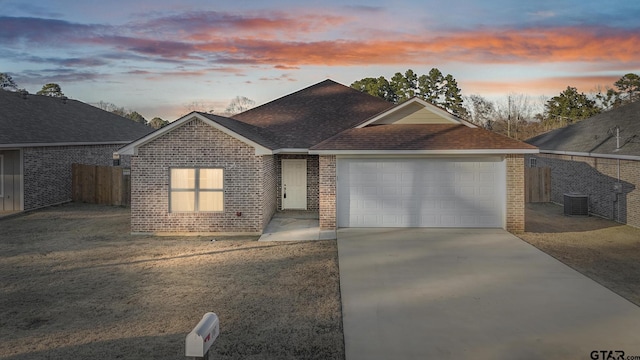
{"x": 292, "y": 225}
{"x": 472, "y": 294}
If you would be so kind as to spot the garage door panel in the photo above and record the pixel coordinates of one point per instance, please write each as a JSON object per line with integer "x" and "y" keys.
{"x": 420, "y": 193}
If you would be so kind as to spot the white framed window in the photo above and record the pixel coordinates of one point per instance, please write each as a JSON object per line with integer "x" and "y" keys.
{"x": 1, "y": 175}
{"x": 196, "y": 190}
{"x": 533, "y": 162}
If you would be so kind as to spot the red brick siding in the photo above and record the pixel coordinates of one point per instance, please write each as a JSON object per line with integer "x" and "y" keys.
{"x": 327, "y": 192}
{"x": 515, "y": 215}
{"x": 596, "y": 177}
{"x": 196, "y": 144}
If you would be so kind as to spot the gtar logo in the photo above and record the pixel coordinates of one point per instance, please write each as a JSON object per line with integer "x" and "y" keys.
{"x": 607, "y": 355}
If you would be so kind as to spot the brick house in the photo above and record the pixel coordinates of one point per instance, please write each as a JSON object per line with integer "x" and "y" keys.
{"x": 598, "y": 157}
{"x": 41, "y": 136}
{"x": 357, "y": 160}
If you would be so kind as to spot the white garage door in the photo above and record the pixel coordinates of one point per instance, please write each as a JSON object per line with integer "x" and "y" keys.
{"x": 418, "y": 192}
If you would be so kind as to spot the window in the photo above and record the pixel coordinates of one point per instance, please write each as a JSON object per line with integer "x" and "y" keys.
{"x": 533, "y": 162}
{"x": 196, "y": 190}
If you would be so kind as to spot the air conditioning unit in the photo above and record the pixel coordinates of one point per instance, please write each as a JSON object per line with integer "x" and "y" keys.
{"x": 576, "y": 204}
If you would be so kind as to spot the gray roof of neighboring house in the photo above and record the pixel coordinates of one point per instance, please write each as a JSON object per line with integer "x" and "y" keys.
{"x": 597, "y": 134}
{"x": 48, "y": 120}
{"x": 314, "y": 114}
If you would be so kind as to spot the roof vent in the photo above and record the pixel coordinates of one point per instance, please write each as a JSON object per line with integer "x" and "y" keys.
{"x": 24, "y": 93}
{"x": 64, "y": 99}
{"x": 576, "y": 204}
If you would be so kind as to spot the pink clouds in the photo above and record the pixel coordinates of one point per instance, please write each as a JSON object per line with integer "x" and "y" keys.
{"x": 541, "y": 86}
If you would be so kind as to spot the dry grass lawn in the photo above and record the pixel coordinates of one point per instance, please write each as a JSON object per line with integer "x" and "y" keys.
{"x": 601, "y": 249}
{"x": 76, "y": 285}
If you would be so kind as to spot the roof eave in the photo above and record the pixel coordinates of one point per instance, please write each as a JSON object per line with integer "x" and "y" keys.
{"x": 132, "y": 148}
{"x": 588, "y": 154}
{"x": 85, "y": 143}
{"x": 426, "y": 152}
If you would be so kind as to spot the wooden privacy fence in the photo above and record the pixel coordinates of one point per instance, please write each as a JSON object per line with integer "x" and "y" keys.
{"x": 537, "y": 184}
{"x": 107, "y": 185}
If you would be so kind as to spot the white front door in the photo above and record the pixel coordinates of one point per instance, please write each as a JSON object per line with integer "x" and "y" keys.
{"x": 294, "y": 184}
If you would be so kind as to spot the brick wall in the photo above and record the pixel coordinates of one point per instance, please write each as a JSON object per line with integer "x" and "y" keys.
{"x": 312, "y": 179}
{"x": 596, "y": 177}
{"x": 327, "y": 192}
{"x": 269, "y": 189}
{"x": 196, "y": 144}
{"x": 515, "y": 193}
{"x": 47, "y": 171}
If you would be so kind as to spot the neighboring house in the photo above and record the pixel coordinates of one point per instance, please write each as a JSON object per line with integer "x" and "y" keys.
{"x": 41, "y": 136}
{"x": 598, "y": 157}
{"x": 356, "y": 159}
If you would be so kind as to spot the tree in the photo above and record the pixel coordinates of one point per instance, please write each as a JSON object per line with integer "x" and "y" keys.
{"x": 239, "y": 104}
{"x": 379, "y": 87}
{"x": 51, "y": 89}
{"x": 7, "y": 83}
{"x": 434, "y": 87}
{"x": 570, "y": 107}
{"x": 481, "y": 111}
{"x": 628, "y": 88}
{"x": 135, "y": 116}
{"x": 158, "y": 123}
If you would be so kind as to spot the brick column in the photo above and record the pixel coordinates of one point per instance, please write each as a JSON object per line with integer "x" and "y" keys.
{"x": 327, "y": 192}
{"x": 515, "y": 193}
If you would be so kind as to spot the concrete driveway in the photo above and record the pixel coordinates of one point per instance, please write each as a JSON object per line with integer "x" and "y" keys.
{"x": 473, "y": 294}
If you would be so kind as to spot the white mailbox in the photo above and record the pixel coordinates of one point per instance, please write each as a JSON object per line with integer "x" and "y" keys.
{"x": 202, "y": 336}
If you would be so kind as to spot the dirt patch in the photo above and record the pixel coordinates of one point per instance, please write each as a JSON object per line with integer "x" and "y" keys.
{"x": 76, "y": 285}
{"x": 601, "y": 249}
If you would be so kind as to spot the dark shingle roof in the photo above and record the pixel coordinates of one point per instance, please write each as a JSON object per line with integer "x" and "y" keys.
{"x": 48, "y": 120}
{"x": 311, "y": 115}
{"x": 597, "y": 134}
{"x": 253, "y": 133}
{"x": 420, "y": 137}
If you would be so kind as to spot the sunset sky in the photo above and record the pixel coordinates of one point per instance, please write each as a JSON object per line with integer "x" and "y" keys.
{"x": 159, "y": 56}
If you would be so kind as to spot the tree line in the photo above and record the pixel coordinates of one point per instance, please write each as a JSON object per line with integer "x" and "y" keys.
{"x": 517, "y": 116}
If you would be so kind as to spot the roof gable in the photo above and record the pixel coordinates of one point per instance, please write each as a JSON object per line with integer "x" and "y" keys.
{"x": 37, "y": 120}
{"x": 235, "y": 129}
{"x": 415, "y": 111}
{"x": 614, "y": 133}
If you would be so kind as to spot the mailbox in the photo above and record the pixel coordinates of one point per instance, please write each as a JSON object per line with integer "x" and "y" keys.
{"x": 202, "y": 336}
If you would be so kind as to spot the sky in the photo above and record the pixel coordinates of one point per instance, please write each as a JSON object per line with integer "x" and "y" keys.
{"x": 163, "y": 58}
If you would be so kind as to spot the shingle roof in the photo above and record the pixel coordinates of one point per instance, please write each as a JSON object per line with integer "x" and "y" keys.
{"x": 259, "y": 135}
{"x": 420, "y": 137}
{"x": 48, "y": 120}
{"x": 597, "y": 134}
{"x": 311, "y": 115}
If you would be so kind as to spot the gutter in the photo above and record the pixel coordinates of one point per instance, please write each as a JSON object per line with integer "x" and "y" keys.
{"x": 595, "y": 155}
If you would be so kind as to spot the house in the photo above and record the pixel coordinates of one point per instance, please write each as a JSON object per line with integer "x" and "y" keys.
{"x": 598, "y": 157}
{"x": 41, "y": 136}
{"x": 356, "y": 159}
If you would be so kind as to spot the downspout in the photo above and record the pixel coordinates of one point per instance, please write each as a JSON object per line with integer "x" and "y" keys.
{"x": 618, "y": 192}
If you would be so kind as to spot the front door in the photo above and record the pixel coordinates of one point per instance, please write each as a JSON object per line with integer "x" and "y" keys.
{"x": 294, "y": 184}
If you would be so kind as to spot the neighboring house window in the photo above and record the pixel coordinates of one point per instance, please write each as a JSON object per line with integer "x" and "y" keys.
{"x": 196, "y": 190}
{"x": 533, "y": 162}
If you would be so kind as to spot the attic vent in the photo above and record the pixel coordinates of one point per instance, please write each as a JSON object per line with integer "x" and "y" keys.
{"x": 576, "y": 204}
{"x": 24, "y": 94}
{"x": 64, "y": 99}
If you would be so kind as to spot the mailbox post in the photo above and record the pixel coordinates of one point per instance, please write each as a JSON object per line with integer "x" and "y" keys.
{"x": 200, "y": 339}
